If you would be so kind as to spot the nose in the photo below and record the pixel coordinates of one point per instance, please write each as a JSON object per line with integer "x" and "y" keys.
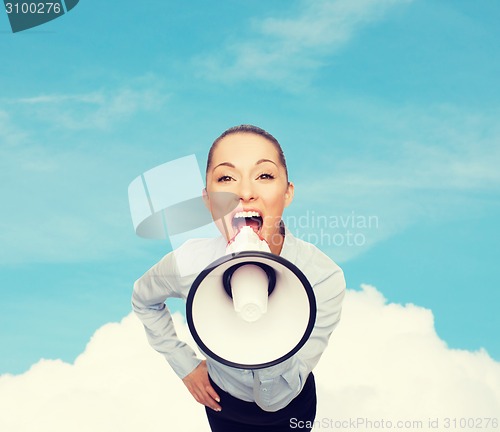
{"x": 246, "y": 191}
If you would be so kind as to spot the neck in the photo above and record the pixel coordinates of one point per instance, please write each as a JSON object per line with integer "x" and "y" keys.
{"x": 278, "y": 239}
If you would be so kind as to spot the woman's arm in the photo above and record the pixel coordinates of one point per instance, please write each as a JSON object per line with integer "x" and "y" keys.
{"x": 148, "y": 302}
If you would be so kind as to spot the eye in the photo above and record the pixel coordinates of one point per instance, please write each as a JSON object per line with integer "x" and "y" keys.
{"x": 224, "y": 178}
{"x": 266, "y": 176}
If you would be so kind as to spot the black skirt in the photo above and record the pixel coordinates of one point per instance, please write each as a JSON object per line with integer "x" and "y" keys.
{"x": 242, "y": 416}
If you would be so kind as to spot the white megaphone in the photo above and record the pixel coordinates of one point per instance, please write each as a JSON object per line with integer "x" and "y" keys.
{"x": 250, "y": 309}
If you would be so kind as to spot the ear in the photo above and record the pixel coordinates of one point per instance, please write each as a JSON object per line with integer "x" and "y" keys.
{"x": 206, "y": 198}
{"x": 289, "y": 194}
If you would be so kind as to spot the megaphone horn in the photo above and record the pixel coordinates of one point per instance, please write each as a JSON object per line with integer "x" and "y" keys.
{"x": 251, "y": 310}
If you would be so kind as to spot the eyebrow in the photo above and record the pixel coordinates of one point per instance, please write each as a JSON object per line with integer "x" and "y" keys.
{"x": 229, "y": 164}
{"x": 265, "y": 160}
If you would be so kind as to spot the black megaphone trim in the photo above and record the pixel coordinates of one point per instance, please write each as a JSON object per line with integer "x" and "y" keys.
{"x": 251, "y": 254}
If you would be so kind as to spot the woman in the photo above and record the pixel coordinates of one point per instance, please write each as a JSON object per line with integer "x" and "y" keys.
{"x": 248, "y": 162}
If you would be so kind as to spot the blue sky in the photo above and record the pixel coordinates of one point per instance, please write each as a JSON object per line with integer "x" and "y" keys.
{"x": 386, "y": 109}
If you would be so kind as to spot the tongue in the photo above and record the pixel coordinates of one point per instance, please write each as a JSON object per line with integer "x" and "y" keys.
{"x": 250, "y": 222}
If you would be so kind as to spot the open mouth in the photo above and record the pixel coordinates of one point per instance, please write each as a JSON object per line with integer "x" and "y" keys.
{"x": 252, "y": 219}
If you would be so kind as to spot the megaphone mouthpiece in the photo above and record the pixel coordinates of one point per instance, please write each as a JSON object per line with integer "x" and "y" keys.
{"x": 249, "y": 285}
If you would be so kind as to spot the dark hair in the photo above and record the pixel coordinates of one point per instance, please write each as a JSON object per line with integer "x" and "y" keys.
{"x": 253, "y": 130}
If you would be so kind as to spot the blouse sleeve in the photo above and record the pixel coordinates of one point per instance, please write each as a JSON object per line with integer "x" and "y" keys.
{"x": 148, "y": 302}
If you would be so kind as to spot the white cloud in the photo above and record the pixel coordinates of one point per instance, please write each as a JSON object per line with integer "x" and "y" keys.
{"x": 97, "y": 109}
{"x": 92, "y": 98}
{"x": 118, "y": 384}
{"x": 284, "y": 50}
{"x": 10, "y": 135}
{"x": 384, "y": 361}
{"x": 66, "y": 195}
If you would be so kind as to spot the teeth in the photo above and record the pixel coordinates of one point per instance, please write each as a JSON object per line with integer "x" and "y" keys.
{"x": 246, "y": 214}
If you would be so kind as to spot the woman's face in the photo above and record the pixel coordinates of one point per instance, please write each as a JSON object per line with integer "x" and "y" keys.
{"x": 248, "y": 166}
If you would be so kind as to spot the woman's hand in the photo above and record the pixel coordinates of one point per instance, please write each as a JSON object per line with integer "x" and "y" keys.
{"x": 199, "y": 386}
